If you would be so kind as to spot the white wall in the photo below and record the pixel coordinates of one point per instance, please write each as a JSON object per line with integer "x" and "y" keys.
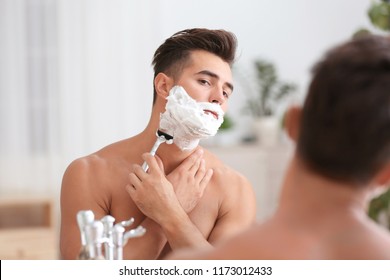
{"x": 100, "y": 82}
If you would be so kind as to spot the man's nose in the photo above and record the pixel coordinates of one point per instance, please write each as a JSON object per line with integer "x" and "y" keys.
{"x": 217, "y": 96}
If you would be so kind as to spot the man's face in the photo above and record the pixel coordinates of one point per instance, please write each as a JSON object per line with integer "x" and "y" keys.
{"x": 207, "y": 79}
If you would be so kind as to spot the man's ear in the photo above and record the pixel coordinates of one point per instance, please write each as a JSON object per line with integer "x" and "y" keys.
{"x": 382, "y": 178}
{"x": 163, "y": 84}
{"x": 292, "y": 122}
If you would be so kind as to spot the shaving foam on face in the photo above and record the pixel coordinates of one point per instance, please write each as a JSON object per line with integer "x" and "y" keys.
{"x": 187, "y": 120}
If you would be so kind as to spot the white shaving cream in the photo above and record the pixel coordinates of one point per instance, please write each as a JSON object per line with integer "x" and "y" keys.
{"x": 186, "y": 120}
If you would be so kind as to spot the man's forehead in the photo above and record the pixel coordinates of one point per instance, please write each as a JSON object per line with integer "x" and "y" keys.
{"x": 202, "y": 61}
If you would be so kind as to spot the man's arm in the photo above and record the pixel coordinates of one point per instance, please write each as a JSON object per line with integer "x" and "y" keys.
{"x": 76, "y": 195}
{"x": 237, "y": 214}
{"x": 156, "y": 197}
{"x": 189, "y": 181}
{"x": 159, "y": 200}
{"x": 238, "y": 209}
{"x": 80, "y": 191}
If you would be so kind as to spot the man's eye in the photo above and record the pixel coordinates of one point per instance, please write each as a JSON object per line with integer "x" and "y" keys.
{"x": 226, "y": 94}
{"x": 204, "y": 82}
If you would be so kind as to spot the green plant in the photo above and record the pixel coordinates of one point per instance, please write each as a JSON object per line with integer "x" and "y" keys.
{"x": 269, "y": 90}
{"x": 379, "y": 14}
{"x": 227, "y": 123}
{"x": 380, "y": 204}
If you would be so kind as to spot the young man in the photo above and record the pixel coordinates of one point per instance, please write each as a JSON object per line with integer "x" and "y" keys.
{"x": 342, "y": 155}
{"x": 187, "y": 198}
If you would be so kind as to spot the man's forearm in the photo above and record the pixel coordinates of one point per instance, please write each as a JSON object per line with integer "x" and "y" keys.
{"x": 148, "y": 246}
{"x": 181, "y": 232}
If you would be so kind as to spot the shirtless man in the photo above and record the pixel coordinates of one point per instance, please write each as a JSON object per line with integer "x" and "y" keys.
{"x": 188, "y": 198}
{"x": 342, "y": 155}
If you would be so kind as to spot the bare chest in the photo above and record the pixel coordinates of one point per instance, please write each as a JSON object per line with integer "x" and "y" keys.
{"x": 204, "y": 215}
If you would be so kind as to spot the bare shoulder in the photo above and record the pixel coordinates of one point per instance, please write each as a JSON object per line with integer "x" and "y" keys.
{"x": 227, "y": 178}
{"x": 238, "y": 197}
{"x": 103, "y": 159}
{"x": 82, "y": 181}
{"x": 375, "y": 242}
{"x": 83, "y": 168}
{"x": 91, "y": 176}
{"x": 87, "y": 168}
{"x": 81, "y": 190}
{"x": 96, "y": 182}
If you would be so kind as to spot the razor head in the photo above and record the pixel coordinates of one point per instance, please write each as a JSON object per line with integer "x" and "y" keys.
{"x": 168, "y": 137}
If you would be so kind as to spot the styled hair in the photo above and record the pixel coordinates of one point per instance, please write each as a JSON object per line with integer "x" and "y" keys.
{"x": 174, "y": 54}
{"x": 345, "y": 124}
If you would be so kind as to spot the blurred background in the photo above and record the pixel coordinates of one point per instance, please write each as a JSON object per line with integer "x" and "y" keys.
{"x": 76, "y": 75}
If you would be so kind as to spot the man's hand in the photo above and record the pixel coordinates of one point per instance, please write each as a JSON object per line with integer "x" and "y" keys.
{"x": 157, "y": 195}
{"x": 152, "y": 192}
{"x": 190, "y": 179}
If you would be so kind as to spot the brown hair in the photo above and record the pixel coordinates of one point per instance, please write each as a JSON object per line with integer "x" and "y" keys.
{"x": 345, "y": 125}
{"x": 174, "y": 54}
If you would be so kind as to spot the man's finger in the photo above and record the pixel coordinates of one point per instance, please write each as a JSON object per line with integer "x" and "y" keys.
{"x": 152, "y": 162}
{"x": 130, "y": 189}
{"x": 201, "y": 170}
{"x": 160, "y": 163}
{"x": 134, "y": 180}
{"x": 139, "y": 172}
{"x": 192, "y": 160}
{"x": 206, "y": 179}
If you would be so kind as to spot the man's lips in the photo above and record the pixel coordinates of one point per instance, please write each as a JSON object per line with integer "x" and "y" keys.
{"x": 209, "y": 112}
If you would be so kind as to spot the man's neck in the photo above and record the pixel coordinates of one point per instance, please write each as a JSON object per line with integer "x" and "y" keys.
{"x": 170, "y": 154}
{"x": 305, "y": 193}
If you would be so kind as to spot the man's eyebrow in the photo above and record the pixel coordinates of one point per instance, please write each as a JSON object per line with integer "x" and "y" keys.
{"x": 213, "y": 75}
